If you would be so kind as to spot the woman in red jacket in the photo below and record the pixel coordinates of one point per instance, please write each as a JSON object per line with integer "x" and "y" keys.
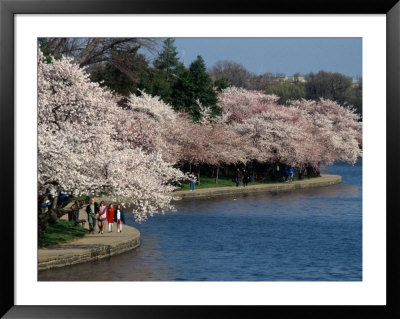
{"x": 110, "y": 217}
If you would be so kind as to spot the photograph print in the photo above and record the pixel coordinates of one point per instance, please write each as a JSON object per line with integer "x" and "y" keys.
{"x": 199, "y": 159}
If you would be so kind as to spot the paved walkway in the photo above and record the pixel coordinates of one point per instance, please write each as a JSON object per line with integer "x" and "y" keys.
{"x": 323, "y": 180}
{"x": 89, "y": 248}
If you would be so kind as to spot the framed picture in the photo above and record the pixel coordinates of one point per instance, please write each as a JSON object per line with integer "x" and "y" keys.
{"x": 22, "y": 23}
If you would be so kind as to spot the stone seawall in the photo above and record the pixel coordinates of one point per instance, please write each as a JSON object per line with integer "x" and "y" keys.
{"x": 322, "y": 181}
{"x": 89, "y": 248}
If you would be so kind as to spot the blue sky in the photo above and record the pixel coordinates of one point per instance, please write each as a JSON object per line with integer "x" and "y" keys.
{"x": 278, "y": 55}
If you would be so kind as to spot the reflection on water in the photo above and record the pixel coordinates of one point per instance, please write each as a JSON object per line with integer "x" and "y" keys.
{"x": 119, "y": 267}
{"x": 308, "y": 234}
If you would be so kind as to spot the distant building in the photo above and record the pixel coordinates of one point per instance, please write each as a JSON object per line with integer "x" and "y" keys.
{"x": 294, "y": 79}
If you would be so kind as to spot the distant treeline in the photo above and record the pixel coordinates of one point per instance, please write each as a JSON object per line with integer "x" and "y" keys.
{"x": 117, "y": 63}
{"x": 312, "y": 86}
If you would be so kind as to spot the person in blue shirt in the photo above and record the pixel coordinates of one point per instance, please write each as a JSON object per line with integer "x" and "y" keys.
{"x": 291, "y": 173}
{"x": 286, "y": 175}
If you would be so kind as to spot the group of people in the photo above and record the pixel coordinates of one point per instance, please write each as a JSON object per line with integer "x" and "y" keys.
{"x": 242, "y": 176}
{"x": 288, "y": 174}
{"x": 101, "y": 213}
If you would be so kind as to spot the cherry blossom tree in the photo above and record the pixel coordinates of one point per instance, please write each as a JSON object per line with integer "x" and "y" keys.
{"x": 153, "y": 125}
{"x": 88, "y": 143}
{"x": 79, "y": 150}
{"x": 306, "y": 133}
{"x": 222, "y": 143}
{"x": 336, "y": 130}
{"x": 208, "y": 141}
{"x": 150, "y": 124}
{"x": 238, "y": 104}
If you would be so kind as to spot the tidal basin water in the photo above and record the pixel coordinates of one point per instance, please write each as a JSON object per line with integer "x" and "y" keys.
{"x": 301, "y": 235}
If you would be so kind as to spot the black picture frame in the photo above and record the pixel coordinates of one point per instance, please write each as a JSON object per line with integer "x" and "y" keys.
{"x": 9, "y": 8}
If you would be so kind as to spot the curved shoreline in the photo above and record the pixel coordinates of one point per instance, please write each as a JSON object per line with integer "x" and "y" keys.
{"x": 99, "y": 246}
{"x": 322, "y": 181}
{"x": 89, "y": 248}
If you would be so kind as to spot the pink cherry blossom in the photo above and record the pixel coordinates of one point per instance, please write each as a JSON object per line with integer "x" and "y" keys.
{"x": 80, "y": 149}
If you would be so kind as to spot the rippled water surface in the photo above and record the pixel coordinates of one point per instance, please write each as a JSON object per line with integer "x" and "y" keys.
{"x": 301, "y": 235}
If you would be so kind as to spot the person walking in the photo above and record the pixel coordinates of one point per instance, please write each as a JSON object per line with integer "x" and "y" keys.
{"x": 102, "y": 216}
{"x": 286, "y": 175}
{"x": 291, "y": 171}
{"x": 92, "y": 209}
{"x": 246, "y": 177}
{"x": 192, "y": 179}
{"x": 238, "y": 176}
{"x": 119, "y": 217}
{"x": 110, "y": 217}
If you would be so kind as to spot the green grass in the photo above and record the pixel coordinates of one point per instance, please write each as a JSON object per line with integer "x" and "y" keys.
{"x": 209, "y": 182}
{"x": 61, "y": 232}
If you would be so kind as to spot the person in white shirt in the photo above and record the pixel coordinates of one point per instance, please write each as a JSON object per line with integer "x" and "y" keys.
{"x": 119, "y": 217}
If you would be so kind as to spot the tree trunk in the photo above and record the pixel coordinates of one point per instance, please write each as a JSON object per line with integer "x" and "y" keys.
{"x": 50, "y": 217}
{"x": 216, "y": 175}
{"x": 55, "y": 200}
{"x": 54, "y": 214}
{"x": 226, "y": 171}
{"x": 198, "y": 173}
